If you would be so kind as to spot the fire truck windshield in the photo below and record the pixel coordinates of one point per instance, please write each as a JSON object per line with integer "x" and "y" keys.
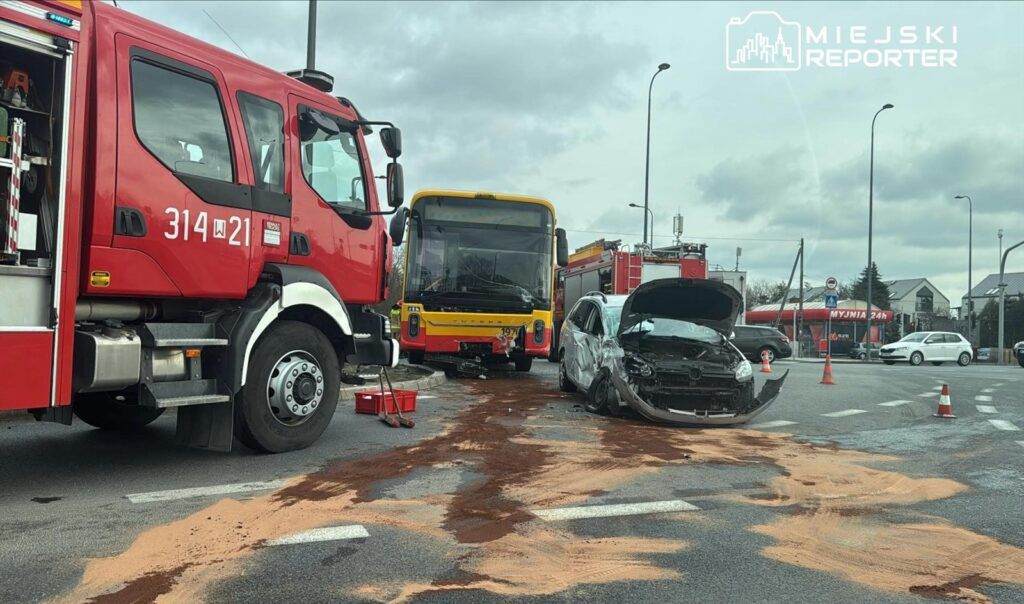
{"x": 487, "y": 253}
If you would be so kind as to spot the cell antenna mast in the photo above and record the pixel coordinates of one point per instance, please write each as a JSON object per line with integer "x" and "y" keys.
{"x": 677, "y": 227}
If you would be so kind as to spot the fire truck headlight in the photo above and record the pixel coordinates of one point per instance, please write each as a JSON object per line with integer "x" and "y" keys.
{"x": 538, "y": 331}
{"x": 414, "y": 326}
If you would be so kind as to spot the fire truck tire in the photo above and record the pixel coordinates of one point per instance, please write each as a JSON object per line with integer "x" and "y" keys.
{"x": 524, "y": 364}
{"x": 265, "y": 417}
{"x": 415, "y": 357}
{"x": 105, "y": 410}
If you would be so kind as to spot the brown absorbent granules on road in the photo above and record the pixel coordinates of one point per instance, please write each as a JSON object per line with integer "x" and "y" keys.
{"x": 499, "y": 546}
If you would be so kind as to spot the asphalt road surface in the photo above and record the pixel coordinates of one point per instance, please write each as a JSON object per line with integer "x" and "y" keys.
{"x": 508, "y": 490}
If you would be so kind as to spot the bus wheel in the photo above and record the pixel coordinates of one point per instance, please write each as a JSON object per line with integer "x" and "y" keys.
{"x": 291, "y": 390}
{"x": 415, "y": 357}
{"x": 524, "y": 364}
{"x": 111, "y": 411}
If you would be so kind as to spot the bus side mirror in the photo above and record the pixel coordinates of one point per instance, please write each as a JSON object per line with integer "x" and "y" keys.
{"x": 397, "y": 227}
{"x": 561, "y": 247}
{"x": 396, "y": 185}
{"x": 391, "y": 139}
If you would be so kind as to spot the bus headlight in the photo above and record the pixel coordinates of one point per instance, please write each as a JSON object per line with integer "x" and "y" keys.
{"x": 414, "y": 326}
{"x": 538, "y": 331}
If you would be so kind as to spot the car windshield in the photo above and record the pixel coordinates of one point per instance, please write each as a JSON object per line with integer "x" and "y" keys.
{"x": 914, "y": 337}
{"x": 612, "y": 314}
{"x": 674, "y": 328}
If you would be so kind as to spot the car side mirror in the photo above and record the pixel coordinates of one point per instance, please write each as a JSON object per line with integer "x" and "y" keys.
{"x": 397, "y": 227}
{"x": 396, "y": 185}
{"x": 391, "y": 139}
{"x": 561, "y": 247}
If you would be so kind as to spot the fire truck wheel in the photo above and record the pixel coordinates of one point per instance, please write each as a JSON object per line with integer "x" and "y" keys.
{"x": 111, "y": 411}
{"x": 291, "y": 390}
{"x": 524, "y": 364}
{"x": 415, "y": 357}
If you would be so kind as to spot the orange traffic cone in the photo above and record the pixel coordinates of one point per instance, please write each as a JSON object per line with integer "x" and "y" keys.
{"x": 826, "y": 377}
{"x": 945, "y": 407}
{"x": 766, "y": 367}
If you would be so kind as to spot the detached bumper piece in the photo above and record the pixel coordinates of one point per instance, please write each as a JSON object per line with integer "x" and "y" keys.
{"x": 697, "y": 406}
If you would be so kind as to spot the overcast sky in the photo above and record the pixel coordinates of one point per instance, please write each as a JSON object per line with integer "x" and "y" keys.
{"x": 549, "y": 99}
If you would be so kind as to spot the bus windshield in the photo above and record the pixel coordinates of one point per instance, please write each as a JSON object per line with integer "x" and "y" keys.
{"x": 480, "y": 251}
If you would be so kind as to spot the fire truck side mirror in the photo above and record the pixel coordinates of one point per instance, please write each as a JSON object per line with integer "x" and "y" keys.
{"x": 396, "y": 185}
{"x": 397, "y": 227}
{"x": 391, "y": 139}
{"x": 561, "y": 247}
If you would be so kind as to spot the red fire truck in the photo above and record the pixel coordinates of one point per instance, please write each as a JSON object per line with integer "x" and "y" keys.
{"x": 604, "y": 266}
{"x": 183, "y": 228}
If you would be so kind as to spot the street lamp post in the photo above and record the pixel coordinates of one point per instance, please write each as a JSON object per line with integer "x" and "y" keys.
{"x": 871, "y": 217}
{"x": 970, "y": 264}
{"x": 647, "y": 163}
{"x": 648, "y": 212}
{"x": 1002, "y": 299}
{"x": 999, "y": 234}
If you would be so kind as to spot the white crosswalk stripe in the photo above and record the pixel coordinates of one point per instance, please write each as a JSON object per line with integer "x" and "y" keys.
{"x": 986, "y": 409}
{"x": 987, "y": 390}
{"x": 844, "y": 413}
{"x": 214, "y": 490}
{"x": 1002, "y": 424}
{"x": 984, "y": 398}
{"x": 927, "y": 394}
{"x": 775, "y": 424}
{"x": 328, "y": 533}
{"x": 621, "y": 509}
{"x": 896, "y": 403}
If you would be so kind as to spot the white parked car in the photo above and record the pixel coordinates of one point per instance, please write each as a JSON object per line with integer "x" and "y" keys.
{"x": 936, "y": 347}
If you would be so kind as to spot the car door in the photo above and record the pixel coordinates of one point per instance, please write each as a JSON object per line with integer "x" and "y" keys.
{"x": 954, "y": 345}
{"x": 934, "y": 348}
{"x": 576, "y": 345}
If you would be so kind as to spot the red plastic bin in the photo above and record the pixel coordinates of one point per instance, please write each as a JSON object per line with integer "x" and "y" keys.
{"x": 372, "y": 401}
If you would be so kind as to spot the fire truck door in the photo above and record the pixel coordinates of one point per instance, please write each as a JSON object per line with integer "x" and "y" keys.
{"x": 178, "y": 198}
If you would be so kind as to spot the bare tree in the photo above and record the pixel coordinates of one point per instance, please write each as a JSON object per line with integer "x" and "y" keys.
{"x": 764, "y": 292}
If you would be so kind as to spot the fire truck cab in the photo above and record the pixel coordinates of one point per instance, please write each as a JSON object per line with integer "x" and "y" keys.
{"x": 183, "y": 228}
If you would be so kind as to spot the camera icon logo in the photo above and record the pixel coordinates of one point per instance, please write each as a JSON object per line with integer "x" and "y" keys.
{"x": 762, "y": 41}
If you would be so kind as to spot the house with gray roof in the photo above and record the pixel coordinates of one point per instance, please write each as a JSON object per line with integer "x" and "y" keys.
{"x": 988, "y": 289}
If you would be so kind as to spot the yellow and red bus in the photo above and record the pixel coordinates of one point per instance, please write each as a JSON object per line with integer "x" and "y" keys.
{"x": 478, "y": 278}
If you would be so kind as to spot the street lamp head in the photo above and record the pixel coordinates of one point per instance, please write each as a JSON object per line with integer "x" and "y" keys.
{"x": 887, "y": 106}
{"x": 663, "y": 66}
{"x": 633, "y": 205}
{"x": 960, "y": 197}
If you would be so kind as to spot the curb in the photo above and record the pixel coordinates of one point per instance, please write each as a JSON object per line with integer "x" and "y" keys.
{"x": 822, "y": 361}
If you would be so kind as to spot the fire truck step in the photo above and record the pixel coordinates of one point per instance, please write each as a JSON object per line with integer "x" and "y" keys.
{"x": 162, "y": 395}
{"x": 180, "y": 335}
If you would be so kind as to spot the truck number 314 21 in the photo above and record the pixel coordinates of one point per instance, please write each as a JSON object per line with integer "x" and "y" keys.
{"x": 235, "y": 229}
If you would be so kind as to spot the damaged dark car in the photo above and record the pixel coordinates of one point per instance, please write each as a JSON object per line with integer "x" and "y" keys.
{"x": 664, "y": 353}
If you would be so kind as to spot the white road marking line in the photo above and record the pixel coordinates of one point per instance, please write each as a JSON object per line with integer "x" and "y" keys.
{"x": 620, "y": 509}
{"x": 424, "y": 397}
{"x": 217, "y": 489}
{"x": 986, "y": 409}
{"x": 997, "y": 385}
{"x": 988, "y": 390}
{"x": 775, "y": 424}
{"x": 1002, "y": 424}
{"x": 844, "y": 413}
{"x": 937, "y": 388}
{"x": 1020, "y": 442}
{"x": 927, "y": 394}
{"x": 893, "y": 403}
{"x": 327, "y": 533}
{"x": 984, "y": 398}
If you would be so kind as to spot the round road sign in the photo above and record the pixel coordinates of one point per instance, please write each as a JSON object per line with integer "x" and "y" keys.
{"x": 831, "y": 283}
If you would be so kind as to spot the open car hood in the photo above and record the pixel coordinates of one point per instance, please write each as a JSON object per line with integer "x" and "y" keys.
{"x": 704, "y": 302}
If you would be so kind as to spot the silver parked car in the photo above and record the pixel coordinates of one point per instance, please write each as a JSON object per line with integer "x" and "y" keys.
{"x": 664, "y": 352}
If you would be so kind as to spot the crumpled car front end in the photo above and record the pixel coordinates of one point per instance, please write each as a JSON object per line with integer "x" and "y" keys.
{"x": 672, "y": 362}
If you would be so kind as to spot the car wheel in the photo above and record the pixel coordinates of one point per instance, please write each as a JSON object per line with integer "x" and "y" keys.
{"x": 564, "y": 384}
{"x": 415, "y": 357}
{"x": 111, "y": 411}
{"x": 1021, "y": 361}
{"x": 862, "y": 356}
{"x": 600, "y": 395}
{"x": 916, "y": 359}
{"x": 965, "y": 359}
{"x": 523, "y": 364}
{"x": 292, "y": 389}
{"x": 936, "y": 363}
{"x": 889, "y": 362}
{"x": 766, "y": 350}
